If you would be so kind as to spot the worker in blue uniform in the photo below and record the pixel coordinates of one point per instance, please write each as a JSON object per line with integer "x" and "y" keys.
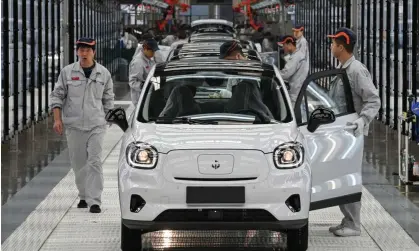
{"x": 366, "y": 103}
{"x": 81, "y": 97}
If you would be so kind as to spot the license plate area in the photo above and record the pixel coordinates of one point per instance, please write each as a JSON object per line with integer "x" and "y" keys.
{"x": 215, "y": 195}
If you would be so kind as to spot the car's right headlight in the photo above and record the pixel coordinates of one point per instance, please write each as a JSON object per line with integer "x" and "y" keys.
{"x": 141, "y": 155}
{"x": 289, "y": 155}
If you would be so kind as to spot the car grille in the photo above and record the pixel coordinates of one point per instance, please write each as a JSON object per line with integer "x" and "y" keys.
{"x": 207, "y": 215}
{"x": 215, "y": 179}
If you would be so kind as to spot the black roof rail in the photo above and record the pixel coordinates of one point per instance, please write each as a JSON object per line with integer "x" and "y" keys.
{"x": 188, "y": 54}
{"x": 217, "y": 43}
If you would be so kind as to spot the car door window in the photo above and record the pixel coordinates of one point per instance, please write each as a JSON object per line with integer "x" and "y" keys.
{"x": 330, "y": 91}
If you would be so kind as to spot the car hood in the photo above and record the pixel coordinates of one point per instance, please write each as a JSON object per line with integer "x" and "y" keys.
{"x": 168, "y": 137}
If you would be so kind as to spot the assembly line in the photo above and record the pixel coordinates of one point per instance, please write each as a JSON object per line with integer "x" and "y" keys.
{"x": 227, "y": 138}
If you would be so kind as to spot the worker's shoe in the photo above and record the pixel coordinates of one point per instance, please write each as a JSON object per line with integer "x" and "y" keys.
{"x": 95, "y": 209}
{"x": 334, "y": 228}
{"x": 82, "y": 204}
{"x": 346, "y": 232}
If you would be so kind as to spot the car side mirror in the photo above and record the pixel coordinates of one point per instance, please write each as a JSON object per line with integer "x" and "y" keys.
{"x": 320, "y": 116}
{"x": 118, "y": 116}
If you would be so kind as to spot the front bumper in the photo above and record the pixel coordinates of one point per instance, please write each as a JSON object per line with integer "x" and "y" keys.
{"x": 268, "y": 192}
{"x": 150, "y": 226}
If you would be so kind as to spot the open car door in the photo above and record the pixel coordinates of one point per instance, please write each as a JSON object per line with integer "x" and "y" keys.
{"x": 334, "y": 152}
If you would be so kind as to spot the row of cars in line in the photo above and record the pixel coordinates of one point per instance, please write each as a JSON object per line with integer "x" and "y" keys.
{"x": 215, "y": 31}
{"x": 217, "y": 144}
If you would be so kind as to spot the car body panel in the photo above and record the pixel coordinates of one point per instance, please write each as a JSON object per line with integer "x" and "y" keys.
{"x": 162, "y": 191}
{"x": 168, "y": 137}
{"x": 335, "y": 153}
{"x": 336, "y": 160}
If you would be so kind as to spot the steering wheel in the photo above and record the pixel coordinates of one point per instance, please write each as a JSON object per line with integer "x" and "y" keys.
{"x": 262, "y": 118}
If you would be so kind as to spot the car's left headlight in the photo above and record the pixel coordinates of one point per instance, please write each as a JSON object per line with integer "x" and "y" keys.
{"x": 289, "y": 155}
{"x": 141, "y": 155}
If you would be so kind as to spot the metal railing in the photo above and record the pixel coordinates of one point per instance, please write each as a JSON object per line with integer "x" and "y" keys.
{"x": 33, "y": 54}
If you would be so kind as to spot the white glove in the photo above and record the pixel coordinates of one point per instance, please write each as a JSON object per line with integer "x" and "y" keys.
{"x": 360, "y": 124}
{"x": 129, "y": 44}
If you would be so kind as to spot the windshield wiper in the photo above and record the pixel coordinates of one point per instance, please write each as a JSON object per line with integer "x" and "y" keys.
{"x": 182, "y": 120}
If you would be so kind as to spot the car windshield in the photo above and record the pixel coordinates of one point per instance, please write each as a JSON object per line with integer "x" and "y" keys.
{"x": 214, "y": 97}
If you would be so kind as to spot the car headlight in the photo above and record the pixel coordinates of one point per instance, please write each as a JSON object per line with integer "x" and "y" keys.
{"x": 141, "y": 155}
{"x": 289, "y": 155}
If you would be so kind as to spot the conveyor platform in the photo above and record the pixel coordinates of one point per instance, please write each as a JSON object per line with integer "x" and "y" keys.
{"x": 58, "y": 225}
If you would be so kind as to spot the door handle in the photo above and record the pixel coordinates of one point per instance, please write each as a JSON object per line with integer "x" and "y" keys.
{"x": 350, "y": 127}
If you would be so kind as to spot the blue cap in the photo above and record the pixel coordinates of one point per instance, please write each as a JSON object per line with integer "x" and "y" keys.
{"x": 228, "y": 47}
{"x": 151, "y": 44}
{"x": 298, "y": 27}
{"x": 286, "y": 39}
{"x": 344, "y": 34}
{"x": 86, "y": 42}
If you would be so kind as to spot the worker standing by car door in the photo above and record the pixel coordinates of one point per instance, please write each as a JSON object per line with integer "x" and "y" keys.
{"x": 366, "y": 103}
{"x": 139, "y": 68}
{"x": 296, "y": 69}
{"x": 80, "y": 100}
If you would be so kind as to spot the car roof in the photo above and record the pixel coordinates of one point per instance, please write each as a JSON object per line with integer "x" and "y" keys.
{"x": 211, "y": 44}
{"x": 215, "y": 39}
{"x": 211, "y": 21}
{"x": 206, "y": 48}
{"x": 211, "y": 38}
{"x": 213, "y": 64}
{"x": 210, "y": 34}
{"x": 199, "y": 50}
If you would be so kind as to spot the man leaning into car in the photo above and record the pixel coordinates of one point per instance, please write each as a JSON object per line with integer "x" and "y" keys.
{"x": 366, "y": 103}
{"x": 81, "y": 97}
{"x": 231, "y": 50}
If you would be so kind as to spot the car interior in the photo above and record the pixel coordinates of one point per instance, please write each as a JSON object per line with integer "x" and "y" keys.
{"x": 215, "y": 93}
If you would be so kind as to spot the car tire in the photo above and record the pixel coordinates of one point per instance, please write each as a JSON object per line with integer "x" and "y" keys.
{"x": 130, "y": 239}
{"x": 297, "y": 240}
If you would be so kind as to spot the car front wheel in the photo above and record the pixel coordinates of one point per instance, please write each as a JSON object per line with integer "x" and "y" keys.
{"x": 297, "y": 240}
{"x": 130, "y": 239}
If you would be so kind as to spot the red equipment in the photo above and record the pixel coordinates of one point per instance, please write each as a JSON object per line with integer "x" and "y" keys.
{"x": 172, "y": 5}
{"x": 249, "y": 11}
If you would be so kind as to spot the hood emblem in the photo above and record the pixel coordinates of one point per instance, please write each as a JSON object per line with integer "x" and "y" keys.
{"x": 216, "y": 165}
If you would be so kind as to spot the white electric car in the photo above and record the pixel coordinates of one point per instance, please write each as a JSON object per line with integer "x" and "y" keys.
{"x": 194, "y": 158}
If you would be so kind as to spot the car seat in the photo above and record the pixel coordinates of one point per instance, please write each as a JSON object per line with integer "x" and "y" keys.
{"x": 181, "y": 102}
{"x": 157, "y": 103}
{"x": 246, "y": 96}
